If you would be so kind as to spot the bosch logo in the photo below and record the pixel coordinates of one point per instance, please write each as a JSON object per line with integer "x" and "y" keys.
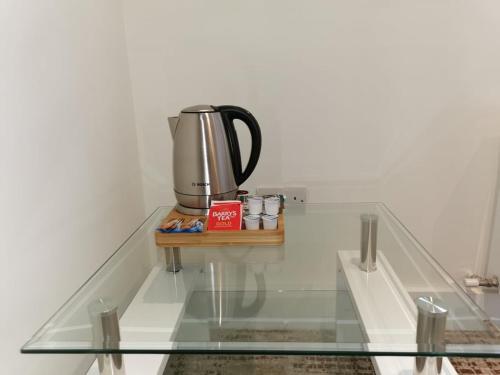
{"x": 203, "y": 184}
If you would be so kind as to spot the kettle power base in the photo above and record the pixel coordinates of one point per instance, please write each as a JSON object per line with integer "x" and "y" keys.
{"x": 219, "y": 238}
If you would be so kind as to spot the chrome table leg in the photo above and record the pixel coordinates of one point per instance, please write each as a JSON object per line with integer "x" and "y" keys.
{"x": 369, "y": 230}
{"x": 431, "y": 325}
{"x": 173, "y": 259}
{"x": 106, "y": 333}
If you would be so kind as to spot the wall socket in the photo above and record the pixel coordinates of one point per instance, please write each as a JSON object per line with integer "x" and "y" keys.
{"x": 293, "y": 194}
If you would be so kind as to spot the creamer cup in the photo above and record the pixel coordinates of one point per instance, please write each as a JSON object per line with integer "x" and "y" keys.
{"x": 252, "y": 222}
{"x": 254, "y": 205}
{"x": 270, "y": 221}
{"x": 272, "y": 205}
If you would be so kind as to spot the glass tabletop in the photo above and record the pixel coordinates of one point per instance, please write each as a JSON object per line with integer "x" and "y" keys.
{"x": 308, "y": 296}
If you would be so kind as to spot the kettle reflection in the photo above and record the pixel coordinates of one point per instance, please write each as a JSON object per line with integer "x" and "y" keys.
{"x": 224, "y": 304}
{"x": 230, "y": 298}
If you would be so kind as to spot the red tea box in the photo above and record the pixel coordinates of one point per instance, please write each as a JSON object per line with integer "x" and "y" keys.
{"x": 225, "y": 215}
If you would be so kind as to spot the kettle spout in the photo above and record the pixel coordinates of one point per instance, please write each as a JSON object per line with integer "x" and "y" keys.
{"x": 172, "y": 123}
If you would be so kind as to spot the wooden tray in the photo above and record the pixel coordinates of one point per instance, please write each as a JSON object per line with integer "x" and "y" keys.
{"x": 220, "y": 237}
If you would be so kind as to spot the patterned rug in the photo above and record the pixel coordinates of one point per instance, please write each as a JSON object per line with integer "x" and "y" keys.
{"x": 267, "y": 365}
{"x": 298, "y": 365}
{"x": 479, "y": 366}
{"x": 312, "y": 365}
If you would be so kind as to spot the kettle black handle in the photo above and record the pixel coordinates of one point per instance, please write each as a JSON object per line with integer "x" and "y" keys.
{"x": 229, "y": 114}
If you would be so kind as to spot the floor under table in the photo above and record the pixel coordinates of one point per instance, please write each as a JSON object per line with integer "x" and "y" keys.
{"x": 295, "y": 365}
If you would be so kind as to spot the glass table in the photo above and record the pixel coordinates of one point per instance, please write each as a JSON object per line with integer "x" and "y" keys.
{"x": 307, "y": 297}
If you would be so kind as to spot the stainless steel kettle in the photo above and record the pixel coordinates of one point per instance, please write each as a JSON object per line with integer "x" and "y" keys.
{"x": 207, "y": 159}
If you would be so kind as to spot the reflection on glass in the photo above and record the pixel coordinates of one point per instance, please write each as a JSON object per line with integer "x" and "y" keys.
{"x": 236, "y": 306}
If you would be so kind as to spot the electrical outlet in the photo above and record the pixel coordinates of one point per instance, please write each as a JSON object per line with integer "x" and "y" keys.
{"x": 270, "y": 190}
{"x": 295, "y": 194}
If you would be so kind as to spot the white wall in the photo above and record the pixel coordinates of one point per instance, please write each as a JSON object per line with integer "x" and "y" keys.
{"x": 493, "y": 267}
{"x": 358, "y": 100}
{"x": 70, "y": 185}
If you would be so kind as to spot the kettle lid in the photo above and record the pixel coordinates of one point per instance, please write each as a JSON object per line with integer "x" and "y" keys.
{"x": 198, "y": 109}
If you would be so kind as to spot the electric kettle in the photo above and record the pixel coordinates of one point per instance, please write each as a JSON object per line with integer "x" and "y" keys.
{"x": 207, "y": 160}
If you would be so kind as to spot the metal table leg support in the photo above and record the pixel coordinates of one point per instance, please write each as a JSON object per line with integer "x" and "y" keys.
{"x": 106, "y": 333}
{"x": 173, "y": 259}
{"x": 369, "y": 229}
{"x": 431, "y": 325}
